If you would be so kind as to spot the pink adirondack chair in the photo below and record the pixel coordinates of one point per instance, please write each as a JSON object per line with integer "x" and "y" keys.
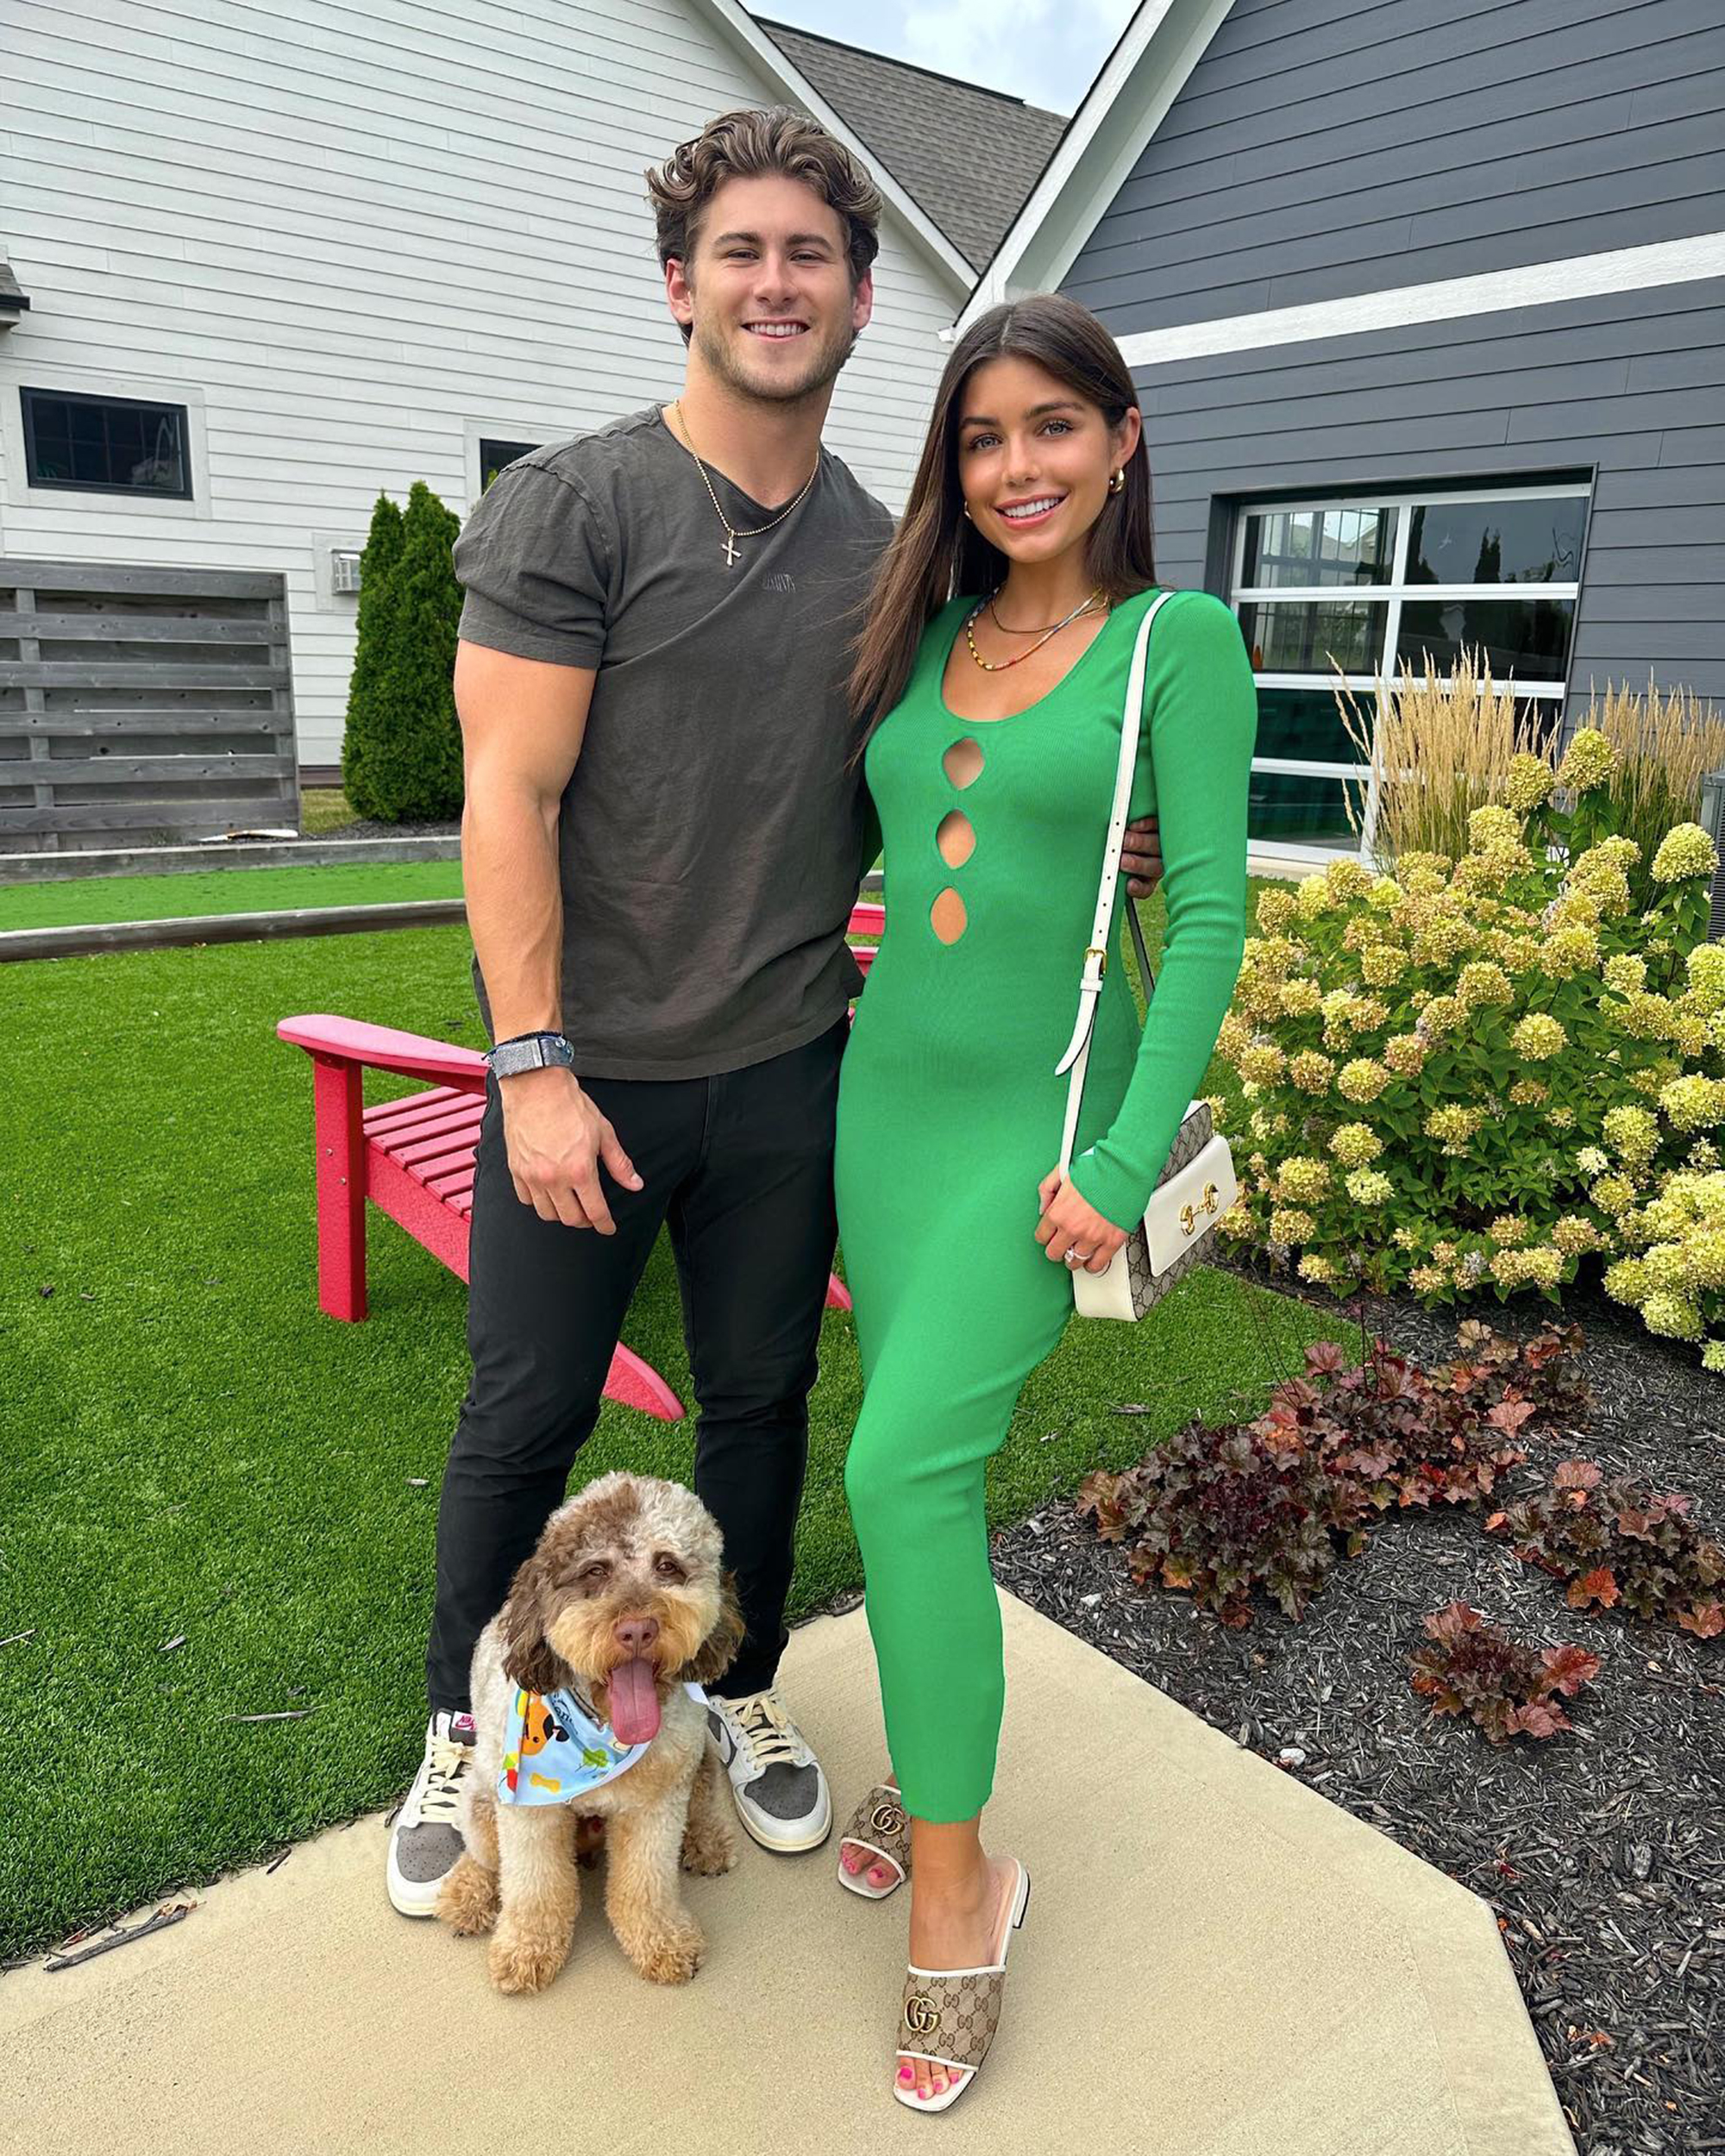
{"x": 414, "y": 1159}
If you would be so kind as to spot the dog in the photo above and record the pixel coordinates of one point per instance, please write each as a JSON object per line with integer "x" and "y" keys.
{"x": 622, "y": 1603}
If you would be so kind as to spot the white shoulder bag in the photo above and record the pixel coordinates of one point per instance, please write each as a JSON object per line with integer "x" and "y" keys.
{"x": 1197, "y": 1183}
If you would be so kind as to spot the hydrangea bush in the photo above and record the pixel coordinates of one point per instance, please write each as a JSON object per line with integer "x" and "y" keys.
{"x": 1473, "y": 1075}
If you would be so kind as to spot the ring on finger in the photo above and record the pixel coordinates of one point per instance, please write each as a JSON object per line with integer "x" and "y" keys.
{"x": 1074, "y": 1258}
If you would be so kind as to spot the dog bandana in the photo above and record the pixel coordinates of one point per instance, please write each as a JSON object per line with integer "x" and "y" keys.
{"x": 555, "y": 1750}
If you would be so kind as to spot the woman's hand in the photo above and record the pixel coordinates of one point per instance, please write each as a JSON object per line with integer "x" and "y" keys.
{"x": 1070, "y": 1223}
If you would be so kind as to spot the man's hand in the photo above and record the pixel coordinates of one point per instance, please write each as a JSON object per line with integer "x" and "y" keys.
{"x": 555, "y": 1139}
{"x": 1141, "y": 858}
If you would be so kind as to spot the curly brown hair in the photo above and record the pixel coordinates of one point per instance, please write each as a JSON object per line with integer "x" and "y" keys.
{"x": 750, "y": 145}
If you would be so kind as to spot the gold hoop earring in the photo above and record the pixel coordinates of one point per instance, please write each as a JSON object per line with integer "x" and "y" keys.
{"x": 1118, "y": 482}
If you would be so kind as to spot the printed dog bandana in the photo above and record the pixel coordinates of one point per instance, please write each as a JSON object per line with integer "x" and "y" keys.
{"x": 555, "y": 1750}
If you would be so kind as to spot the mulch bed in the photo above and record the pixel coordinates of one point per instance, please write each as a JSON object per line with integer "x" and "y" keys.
{"x": 1599, "y": 1848}
{"x": 367, "y": 827}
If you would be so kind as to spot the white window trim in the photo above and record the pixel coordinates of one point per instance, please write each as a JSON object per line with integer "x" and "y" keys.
{"x": 1649, "y": 267}
{"x": 17, "y": 375}
{"x": 1389, "y": 595}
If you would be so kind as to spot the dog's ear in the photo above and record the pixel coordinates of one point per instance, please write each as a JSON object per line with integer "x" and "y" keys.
{"x": 718, "y": 1650}
{"x": 527, "y": 1658}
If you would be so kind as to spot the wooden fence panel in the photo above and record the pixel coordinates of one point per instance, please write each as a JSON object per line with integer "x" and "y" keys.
{"x": 156, "y": 702}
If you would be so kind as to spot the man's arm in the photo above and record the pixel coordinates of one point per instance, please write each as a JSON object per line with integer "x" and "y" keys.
{"x": 522, "y": 722}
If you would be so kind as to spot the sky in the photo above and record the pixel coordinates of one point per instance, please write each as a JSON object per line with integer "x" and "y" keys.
{"x": 1047, "y": 52}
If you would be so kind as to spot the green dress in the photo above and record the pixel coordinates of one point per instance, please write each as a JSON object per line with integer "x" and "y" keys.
{"x": 949, "y": 1110}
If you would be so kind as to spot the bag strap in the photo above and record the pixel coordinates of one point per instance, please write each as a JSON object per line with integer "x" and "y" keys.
{"x": 1077, "y": 1057}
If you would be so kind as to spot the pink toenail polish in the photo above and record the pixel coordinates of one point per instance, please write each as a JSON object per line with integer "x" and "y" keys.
{"x": 904, "y": 2074}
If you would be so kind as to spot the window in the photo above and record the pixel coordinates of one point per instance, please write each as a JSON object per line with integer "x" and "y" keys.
{"x": 1364, "y": 585}
{"x": 493, "y": 455}
{"x": 105, "y": 445}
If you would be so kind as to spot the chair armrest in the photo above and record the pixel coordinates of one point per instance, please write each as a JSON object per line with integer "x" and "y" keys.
{"x": 384, "y": 1048}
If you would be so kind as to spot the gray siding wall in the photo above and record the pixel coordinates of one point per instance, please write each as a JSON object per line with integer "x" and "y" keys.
{"x": 1630, "y": 388}
{"x": 1322, "y": 149}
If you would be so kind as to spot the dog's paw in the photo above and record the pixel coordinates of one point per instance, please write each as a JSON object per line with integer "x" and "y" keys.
{"x": 522, "y": 1963}
{"x": 671, "y": 1956}
{"x": 709, "y": 1849}
{"x": 468, "y": 1900}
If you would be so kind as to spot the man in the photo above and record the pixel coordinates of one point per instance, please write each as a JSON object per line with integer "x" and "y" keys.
{"x": 662, "y": 842}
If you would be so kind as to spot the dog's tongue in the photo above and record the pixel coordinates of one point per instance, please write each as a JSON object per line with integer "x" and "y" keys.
{"x": 634, "y": 1702}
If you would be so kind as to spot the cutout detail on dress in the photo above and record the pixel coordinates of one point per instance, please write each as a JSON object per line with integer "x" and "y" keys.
{"x": 957, "y": 838}
{"x": 947, "y": 917}
{"x": 962, "y": 762}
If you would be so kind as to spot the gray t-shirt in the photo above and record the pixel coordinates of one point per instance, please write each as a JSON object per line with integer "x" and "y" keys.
{"x": 711, "y": 836}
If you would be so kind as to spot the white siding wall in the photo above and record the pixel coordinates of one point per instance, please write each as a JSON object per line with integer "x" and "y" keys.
{"x": 351, "y": 240}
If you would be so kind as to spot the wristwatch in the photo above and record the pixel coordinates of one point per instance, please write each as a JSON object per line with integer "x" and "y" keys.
{"x": 530, "y": 1051}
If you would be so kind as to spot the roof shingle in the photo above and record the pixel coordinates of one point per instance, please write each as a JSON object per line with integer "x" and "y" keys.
{"x": 969, "y": 157}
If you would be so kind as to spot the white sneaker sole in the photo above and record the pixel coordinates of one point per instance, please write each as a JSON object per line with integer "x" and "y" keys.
{"x": 785, "y": 1837}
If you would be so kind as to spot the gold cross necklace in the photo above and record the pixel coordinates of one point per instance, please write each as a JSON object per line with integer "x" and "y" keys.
{"x": 732, "y": 532}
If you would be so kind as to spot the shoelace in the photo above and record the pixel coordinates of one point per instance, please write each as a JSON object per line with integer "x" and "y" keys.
{"x": 442, "y": 1799}
{"x": 766, "y": 1731}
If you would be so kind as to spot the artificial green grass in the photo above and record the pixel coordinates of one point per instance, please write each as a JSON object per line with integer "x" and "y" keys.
{"x": 217, "y": 890}
{"x": 324, "y": 808}
{"x": 190, "y": 1450}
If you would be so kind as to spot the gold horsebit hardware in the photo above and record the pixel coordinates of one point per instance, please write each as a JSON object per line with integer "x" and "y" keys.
{"x": 1188, "y": 1214}
{"x": 922, "y": 2017}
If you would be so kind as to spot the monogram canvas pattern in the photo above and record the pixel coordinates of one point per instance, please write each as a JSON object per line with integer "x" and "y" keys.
{"x": 879, "y": 1822}
{"x": 1148, "y": 1287}
{"x": 951, "y": 2018}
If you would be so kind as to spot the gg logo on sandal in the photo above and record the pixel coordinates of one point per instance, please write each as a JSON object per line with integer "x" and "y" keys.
{"x": 922, "y": 2017}
{"x": 886, "y": 1819}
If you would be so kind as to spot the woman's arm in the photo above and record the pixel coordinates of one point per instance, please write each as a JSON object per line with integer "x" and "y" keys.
{"x": 1202, "y": 707}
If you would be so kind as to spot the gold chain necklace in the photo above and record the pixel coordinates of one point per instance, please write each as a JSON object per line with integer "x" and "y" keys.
{"x": 732, "y": 534}
{"x": 999, "y": 665}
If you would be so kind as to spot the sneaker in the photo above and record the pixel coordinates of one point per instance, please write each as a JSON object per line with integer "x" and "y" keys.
{"x": 780, "y": 1792}
{"x": 427, "y": 1836}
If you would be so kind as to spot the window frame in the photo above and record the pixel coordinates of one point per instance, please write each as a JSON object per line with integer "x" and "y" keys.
{"x": 1391, "y": 595}
{"x": 27, "y": 392}
{"x": 475, "y": 431}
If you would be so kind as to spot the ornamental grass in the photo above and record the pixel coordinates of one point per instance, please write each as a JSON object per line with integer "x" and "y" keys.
{"x": 1439, "y": 746}
{"x": 1481, "y": 1071}
{"x": 1666, "y": 744}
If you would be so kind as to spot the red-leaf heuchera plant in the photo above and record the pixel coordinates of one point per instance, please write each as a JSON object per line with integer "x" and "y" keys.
{"x": 1471, "y": 1668}
{"x": 1612, "y": 1541}
{"x": 1217, "y": 1512}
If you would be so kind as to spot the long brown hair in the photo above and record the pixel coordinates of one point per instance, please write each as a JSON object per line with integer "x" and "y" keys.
{"x": 936, "y": 552}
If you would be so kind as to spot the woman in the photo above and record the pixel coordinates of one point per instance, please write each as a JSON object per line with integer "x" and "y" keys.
{"x": 993, "y": 769}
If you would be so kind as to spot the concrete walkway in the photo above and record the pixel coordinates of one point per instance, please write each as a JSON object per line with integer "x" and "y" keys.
{"x": 1217, "y": 1962}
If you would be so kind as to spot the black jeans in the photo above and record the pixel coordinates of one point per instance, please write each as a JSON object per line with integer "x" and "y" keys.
{"x": 740, "y": 1169}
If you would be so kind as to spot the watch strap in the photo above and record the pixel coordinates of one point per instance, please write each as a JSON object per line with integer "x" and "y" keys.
{"x": 530, "y": 1051}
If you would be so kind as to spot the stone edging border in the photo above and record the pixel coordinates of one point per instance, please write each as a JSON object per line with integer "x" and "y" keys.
{"x": 179, "y": 931}
{"x": 86, "y": 937}
{"x": 334, "y": 852}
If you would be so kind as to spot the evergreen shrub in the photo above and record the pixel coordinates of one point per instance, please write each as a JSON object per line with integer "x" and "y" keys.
{"x": 401, "y": 756}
